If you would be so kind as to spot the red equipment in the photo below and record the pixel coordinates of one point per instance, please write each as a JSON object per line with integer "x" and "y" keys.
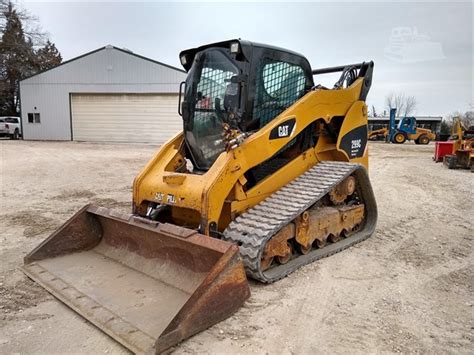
{"x": 442, "y": 149}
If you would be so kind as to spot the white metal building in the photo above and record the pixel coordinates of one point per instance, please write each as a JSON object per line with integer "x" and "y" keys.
{"x": 108, "y": 95}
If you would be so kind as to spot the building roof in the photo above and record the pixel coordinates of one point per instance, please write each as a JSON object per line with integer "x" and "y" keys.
{"x": 418, "y": 118}
{"x": 101, "y": 49}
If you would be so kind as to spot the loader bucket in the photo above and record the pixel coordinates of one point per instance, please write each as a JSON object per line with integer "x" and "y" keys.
{"x": 147, "y": 285}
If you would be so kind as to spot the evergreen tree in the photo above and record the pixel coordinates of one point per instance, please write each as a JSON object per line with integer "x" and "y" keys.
{"x": 15, "y": 60}
{"x": 48, "y": 56}
{"x": 18, "y": 56}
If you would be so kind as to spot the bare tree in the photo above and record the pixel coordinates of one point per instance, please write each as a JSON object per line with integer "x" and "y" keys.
{"x": 24, "y": 50}
{"x": 410, "y": 105}
{"x": 467, "y": 120}
{"x": 31, "y": 27}
{"x": 404, "y": 104}
{"x": 374, "y": 113}
{"x": 389, "y": 101}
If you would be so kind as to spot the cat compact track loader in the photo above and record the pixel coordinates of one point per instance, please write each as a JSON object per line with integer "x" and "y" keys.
{"x": 268, "y": 174}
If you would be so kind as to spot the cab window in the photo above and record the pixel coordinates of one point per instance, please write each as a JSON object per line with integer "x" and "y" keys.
{"x": 279, "y": 85}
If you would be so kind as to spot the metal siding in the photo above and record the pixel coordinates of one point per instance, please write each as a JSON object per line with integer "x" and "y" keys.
{"x": 106, "y": 71}
{"x": 52, "y": 103}
{"x": 136, "y": 118}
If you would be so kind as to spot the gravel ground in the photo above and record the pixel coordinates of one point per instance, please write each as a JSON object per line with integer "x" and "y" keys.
{"x": 409, "y": 288}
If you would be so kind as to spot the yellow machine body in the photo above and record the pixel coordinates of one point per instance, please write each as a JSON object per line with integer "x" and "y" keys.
{"x": 218, "y": 195}
{"x": 420, "y": 132}
{"x": 462, "y": 155}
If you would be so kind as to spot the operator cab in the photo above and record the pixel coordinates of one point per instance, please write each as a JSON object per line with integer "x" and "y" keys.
{"x": 240, "y": 84}
{"x": 407, "y": 125}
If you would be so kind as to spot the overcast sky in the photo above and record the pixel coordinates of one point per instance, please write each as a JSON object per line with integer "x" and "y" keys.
{"x": 435, "y": 66}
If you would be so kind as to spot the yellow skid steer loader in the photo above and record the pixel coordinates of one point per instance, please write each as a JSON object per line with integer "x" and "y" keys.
{"x": 268, "y": 174}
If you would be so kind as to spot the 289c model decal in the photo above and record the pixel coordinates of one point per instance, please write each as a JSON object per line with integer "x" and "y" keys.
{"x": 354, "y": 142}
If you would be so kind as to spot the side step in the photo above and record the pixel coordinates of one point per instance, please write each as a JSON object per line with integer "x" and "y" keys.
{"x": 147, "y": 285}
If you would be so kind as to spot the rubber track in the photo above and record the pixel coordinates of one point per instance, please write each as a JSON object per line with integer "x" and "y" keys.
{"x": 254, "y": 228}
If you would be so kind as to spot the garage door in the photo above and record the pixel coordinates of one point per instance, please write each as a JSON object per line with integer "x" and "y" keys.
{"x": 124, "y": 118}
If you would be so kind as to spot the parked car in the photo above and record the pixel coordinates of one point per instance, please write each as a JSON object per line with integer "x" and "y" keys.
{"x": 10, "y": 127}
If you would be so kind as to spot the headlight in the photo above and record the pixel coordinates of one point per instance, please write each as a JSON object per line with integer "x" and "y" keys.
{"x": 234, "y": 47}
{"x": 184, "y": 60}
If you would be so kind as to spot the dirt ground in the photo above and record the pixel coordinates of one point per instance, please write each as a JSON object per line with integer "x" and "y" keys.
{"x": 409, "y": 288}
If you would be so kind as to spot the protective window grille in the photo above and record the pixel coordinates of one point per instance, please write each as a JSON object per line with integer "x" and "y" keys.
{"x": 212, "y": 86}
{"x": 279, "y": 85}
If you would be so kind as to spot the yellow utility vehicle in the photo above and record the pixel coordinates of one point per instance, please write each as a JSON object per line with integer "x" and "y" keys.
{"x": 405, "y": 130}
{"x": 268, "y": 174}
{"x": 462, "y": 155}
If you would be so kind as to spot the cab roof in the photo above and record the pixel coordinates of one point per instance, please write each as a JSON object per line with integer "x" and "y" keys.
{"x": 245, "y": 47}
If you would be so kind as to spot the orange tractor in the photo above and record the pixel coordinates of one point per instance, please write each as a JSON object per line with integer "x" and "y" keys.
{"x": 462, "y": 155}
